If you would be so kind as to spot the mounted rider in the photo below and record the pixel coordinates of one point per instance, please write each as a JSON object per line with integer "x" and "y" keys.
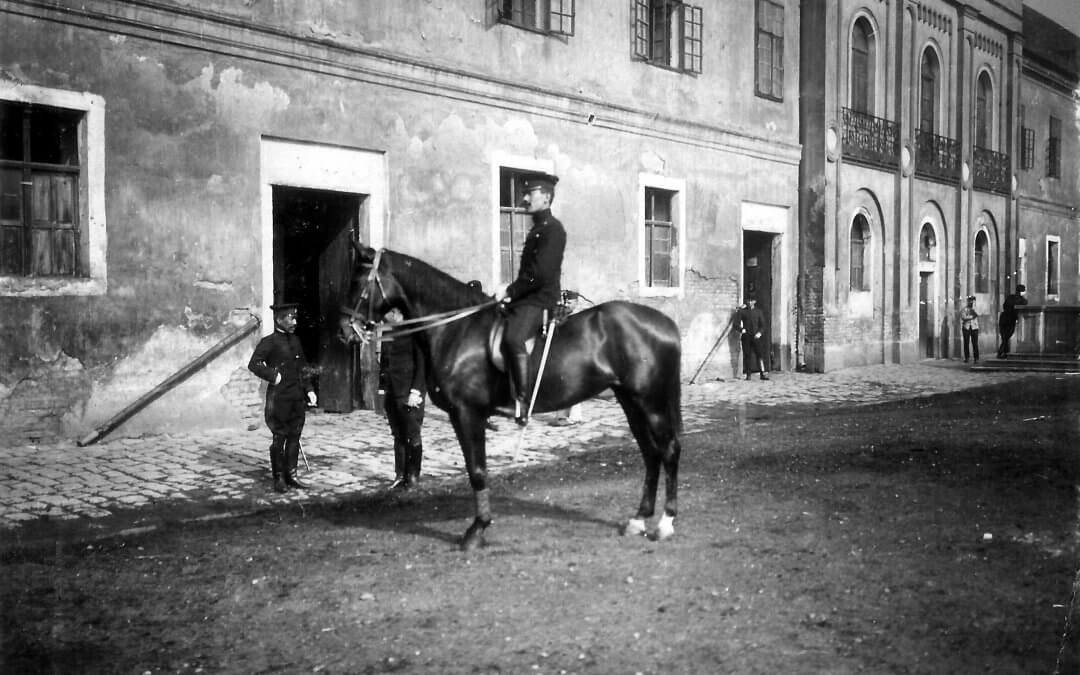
{"x": 536, "y": 288}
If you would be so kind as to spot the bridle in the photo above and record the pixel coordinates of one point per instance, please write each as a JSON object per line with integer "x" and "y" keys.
{"x": 384, "y": 333}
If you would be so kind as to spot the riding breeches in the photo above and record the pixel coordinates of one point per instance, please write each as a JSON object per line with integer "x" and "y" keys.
{"x": 523, "y": 322}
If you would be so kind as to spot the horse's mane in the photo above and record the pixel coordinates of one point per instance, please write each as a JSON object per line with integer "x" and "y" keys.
{"x": 429, "y": 281}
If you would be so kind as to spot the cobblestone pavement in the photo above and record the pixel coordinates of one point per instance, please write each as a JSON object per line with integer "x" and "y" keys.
{"x": 226, "y": 472}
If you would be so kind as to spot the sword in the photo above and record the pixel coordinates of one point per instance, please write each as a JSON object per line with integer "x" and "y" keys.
{"x": 536, "y": 385}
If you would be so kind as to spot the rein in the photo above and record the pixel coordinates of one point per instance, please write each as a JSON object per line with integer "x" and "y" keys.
{"x": 406, "y": 326}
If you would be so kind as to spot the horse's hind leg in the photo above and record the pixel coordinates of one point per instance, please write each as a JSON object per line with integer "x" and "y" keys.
{"x": 639, "y": 425}
{"x": 469, "y": 426}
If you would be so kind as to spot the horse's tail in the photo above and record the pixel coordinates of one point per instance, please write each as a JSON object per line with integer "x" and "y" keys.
{"x": 674, "y": 383}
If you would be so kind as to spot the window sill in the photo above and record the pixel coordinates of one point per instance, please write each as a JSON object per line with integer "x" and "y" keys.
{"x": 661, "y": 291}
{"x": 17, "y": 287}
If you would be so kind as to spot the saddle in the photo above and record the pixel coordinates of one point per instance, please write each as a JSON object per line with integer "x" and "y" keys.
{"x": 498, "y": 328}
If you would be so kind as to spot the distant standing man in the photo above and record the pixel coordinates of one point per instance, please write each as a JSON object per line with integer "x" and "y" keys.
{"x": 1007, "y": 320}
{"x": 752, "y": 336}
{"x": 537, "y": 286}
{"x": 279, "y": 359}
{"x": 402, "y": 374}
{"x": 969, "y": 326}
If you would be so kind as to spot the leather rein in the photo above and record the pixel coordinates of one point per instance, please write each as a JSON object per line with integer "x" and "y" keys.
{"x": 404, "y": 327}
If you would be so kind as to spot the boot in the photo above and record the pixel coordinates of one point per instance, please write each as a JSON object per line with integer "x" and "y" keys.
{"x": 414, "y": 455}
{"x": 519, "y": 375}
{"x": 292, "y": 456}
{"x": 275, "y": 465}
{"x": 400, "y": 462}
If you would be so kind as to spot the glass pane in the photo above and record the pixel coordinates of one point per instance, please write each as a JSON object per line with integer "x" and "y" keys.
{"x": 54, "y": 136}
{"x": 10, "y": 250}
{"x": 11, "y": 195}
{"x": 41, "y": 252}
{"x": 41, "y": 198}
{"x": 11, "y": 131}
{"x": 64, "y": 191}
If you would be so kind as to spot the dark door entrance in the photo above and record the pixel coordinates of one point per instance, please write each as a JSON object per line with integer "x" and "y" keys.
{"x": 758, "y": 282}
{"x": 313, "y": 231}
{"x": 926, "y": 314}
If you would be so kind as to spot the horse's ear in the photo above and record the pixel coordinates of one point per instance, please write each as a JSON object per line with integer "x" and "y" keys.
{"x": 364, "y": 254}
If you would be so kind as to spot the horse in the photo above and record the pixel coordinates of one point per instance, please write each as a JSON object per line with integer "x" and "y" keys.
{"x": 630, "y": 348}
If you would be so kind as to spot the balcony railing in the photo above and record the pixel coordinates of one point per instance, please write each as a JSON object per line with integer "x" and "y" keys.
{"x": 871, "y": 139}
{"x": 991, "y": 171}
{"x": 936, "y": 156}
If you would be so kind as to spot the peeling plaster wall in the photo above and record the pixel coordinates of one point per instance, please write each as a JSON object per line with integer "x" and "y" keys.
{"x": 185, "y": 117}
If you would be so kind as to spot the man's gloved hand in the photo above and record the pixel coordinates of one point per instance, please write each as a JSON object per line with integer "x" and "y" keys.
{"x": 416, "y": 399}
{"x": 312, "y": 399}
{"x": 277, "y": 380}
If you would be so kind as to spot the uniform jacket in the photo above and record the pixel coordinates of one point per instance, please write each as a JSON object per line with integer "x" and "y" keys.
{"x": 282, "y": 353}
{"x": 752, "y": 321}
{"x": 538, "y": 277}
{"x": 969, "y": 318}
{"x": 1008, "y": 310}
{"x": 401, "y": 367}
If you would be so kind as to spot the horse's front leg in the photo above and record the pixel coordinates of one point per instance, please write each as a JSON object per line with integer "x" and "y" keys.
{"x": 469, "y": 427}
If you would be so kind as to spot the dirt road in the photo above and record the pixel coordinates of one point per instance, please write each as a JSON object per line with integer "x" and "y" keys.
{"x": 930, "y": 536}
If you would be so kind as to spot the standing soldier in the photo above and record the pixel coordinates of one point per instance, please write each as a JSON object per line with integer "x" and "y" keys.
{"x": 969, "y": 326}
{"x": 537, "y": 287}
{"x": 1007, "y": 320}
{"x": 401, "y": 372}
{"x": 279, "y": 359}
{"x": 752, "y": 336}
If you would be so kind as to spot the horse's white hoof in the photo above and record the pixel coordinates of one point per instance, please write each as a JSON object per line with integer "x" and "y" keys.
{"x": 634, "y": 527}
{"x": 665, "y": 529}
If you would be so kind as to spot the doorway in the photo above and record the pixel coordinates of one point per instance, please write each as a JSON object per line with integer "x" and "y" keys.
{"x": 758, "y": 272}
{"x": 926, "y": 314}
{"x": 314, "y": 231}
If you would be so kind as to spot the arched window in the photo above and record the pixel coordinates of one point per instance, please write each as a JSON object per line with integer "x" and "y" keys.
{"x": 927, "y": 244}
{"x": 984, "y": 111}
{"x": 928, "y": 92}
{"x": 981, "y": 263}
{"x": 862, "y": 67}
{"x": 860, "y": 247}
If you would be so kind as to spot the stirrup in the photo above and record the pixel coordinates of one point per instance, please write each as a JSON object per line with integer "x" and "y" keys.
{"x": 521, "y": 413}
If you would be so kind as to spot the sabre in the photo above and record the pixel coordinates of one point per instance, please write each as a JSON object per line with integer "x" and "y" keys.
{"x": 536, "y": 385}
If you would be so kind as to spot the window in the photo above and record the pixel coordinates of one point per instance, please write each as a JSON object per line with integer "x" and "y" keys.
{"x": 668, "y": 33}
{"x": 927, "y": 244}
{"x": 1053, "y": 149}
{"x": 1027, "y": 143}
{"x": 860, "y": 245}
{"x": 769, "y": 77}
{"x": 862, "y": 67}
{"x": 514, "y": 223}
{"x": 545, "y": 16}
{"x": 928, "y": 92}
{"x": 981, "y": 262}
{"x": 660, "y": 237}
{"x": 984, "y": 116}
{"x": 1053, "y": 261}
{"x": 1021, "y": 261}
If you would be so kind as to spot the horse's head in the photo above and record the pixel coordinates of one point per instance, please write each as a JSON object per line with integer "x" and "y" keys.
{"x": 372, "y": 293}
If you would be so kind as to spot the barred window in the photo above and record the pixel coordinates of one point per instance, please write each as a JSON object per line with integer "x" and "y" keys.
{"x": 770, "y": 50}
{"x": 660, "y": 238}
{"x": 981, "y": 263}
{"x": 1053, "y": 263}
{"x": 1053, "y": 149}
{"x": 668, "y": 33}
{"x": 39, "y": 191}
{"x": 545, "y": 16}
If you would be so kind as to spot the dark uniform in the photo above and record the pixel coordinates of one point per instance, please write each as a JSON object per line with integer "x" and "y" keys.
{"x": 536, "y": 288}
{"x": 286, "y": 402}
{"x": 755, "y": 351}
{"x": 1007, "y": 320}
{"x": 401, "y": 369}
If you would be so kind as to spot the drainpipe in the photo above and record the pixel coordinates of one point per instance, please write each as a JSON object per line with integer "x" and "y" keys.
{"x": 176, "y": 378}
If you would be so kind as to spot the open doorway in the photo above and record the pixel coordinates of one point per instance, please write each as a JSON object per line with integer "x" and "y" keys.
{"x": 758, "y": 272}
{"x": 313, "y": 252}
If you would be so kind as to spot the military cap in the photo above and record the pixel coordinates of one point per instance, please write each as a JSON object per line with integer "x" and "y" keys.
{"x": 1021, "y": 288}
{"x": 283, "y": 306}
{"x": 531, "y": 181}
{"x": 970, "y": 298}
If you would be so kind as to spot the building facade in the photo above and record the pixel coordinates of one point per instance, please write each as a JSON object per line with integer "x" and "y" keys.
{"x": 913, "y": 193}
{"x": 170, "y": 168}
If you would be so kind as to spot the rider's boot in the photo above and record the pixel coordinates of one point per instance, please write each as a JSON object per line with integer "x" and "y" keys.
{"x": 292, "y": 456}
{"x": 519, "y": 373}
{"x": 276, "y": 452}
{"x": 414, "y": 455}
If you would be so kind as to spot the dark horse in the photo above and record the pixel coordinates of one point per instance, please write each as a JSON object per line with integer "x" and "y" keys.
{"x": 632, "y": 349}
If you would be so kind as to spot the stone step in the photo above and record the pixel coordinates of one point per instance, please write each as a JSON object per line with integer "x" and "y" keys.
{"x": 1035, "y": 363}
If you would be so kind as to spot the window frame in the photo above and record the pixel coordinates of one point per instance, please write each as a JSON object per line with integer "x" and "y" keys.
{"x": 91, "y": 265}
{"x": 980, "y": 262}
{"x": 928, "y": 100}
{"x": 552, "y": 12}
{"x": 862, "y": 284}
{"x": 500, "y": 163}
{"x": 775, "y": 50}
{"x": 862, "y": 71}
{"x": 689, "y": 36}
{"x": 676, "y": 187}
{"x": 1053, "y": 148}
{"x": 984, "y": 111}
{"x": 1053, "y": 267}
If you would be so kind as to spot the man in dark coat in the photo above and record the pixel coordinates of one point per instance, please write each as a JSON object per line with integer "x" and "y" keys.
{"x": 537, "y": 287}
{"x": 279, "y": 359}
{"x": 1007, "y": 319}
{"x": 401, "y": 373}
{"x": 752, "y": 336}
